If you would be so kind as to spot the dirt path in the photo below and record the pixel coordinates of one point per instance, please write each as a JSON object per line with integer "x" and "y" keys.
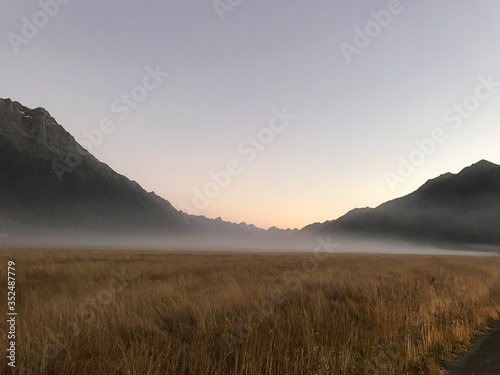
{"x": 483, "y": 358}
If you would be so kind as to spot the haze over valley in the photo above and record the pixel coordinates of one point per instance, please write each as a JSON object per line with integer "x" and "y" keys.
{"x": 233, "y": 187}
{"x": 53, "y": 189}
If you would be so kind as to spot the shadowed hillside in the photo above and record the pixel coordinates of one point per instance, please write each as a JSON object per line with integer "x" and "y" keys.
{"x": 39, "y": 190}
{"x": 453, "y": 208}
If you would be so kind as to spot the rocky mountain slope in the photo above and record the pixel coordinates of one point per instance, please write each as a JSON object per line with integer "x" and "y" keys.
{"x": 49, "y": 183}
{"x": 48, "y": 180}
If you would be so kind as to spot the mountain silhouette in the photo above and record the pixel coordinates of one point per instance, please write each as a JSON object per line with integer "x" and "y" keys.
{"x": 50, "y": 184}
{"x": 39, "y": 189}
{"x": 452, "y": 208}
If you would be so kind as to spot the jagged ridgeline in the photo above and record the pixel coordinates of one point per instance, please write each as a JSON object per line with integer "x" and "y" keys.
{"x": 51, "y": 184}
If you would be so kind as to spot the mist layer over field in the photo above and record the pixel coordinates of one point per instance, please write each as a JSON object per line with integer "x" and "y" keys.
{"x": 292, "y": 243}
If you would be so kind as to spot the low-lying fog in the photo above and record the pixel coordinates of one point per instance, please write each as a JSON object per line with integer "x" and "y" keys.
{"x": 294, "y": 243}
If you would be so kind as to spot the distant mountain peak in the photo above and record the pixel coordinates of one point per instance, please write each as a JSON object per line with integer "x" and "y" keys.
{"x": 485, "y": 162}
{"x": 482, "y": 165}
{"x": 462, "y": 208}
{"x": 474, "y": 170}
{"x": 24, "y": 125}
{"x": 88, "y": 196}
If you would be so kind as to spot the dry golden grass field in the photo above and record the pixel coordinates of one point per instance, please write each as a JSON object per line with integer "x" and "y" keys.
{"x": 151, "y": 313}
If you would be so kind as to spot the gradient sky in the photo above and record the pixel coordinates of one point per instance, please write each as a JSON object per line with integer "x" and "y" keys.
{"x": 354, "y": 120}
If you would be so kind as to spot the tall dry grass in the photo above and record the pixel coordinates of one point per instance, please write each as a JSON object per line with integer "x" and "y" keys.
{"x": 151, "y": 313}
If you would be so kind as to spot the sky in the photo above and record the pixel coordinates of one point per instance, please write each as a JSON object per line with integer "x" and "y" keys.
{"x": 276, "y": 113}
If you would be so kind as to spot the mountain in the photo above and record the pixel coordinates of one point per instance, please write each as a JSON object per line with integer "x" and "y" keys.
{"x": 461, "y": 208}
{"x": 47, "y": 180}
{"x": 50, "y": 184}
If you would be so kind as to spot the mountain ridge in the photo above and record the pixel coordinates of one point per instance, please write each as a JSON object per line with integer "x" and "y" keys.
{"x": 92, "y": 197}
{"x": 454, "y": 208}
{"x": 36, "y": 179}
